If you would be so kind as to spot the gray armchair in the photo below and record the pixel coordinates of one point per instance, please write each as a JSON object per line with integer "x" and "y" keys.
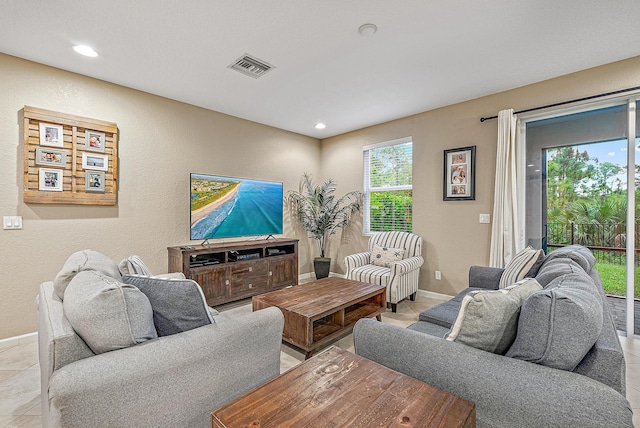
{"x": 401, "y": 276}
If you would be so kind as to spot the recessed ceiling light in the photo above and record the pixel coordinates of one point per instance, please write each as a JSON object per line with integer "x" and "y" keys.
{"x": 85, "y": 50}
{"x": 367, "y": 30}
{"x": 320, "y": 126}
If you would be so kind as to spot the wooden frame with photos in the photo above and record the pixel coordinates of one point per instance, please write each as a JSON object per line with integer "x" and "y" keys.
{"x": 50, "y": 157}
{"x": 50, "y": 180}
{"x": 459, "y": 182}
{"x": 94, "y": 181}
{"x": 94, "y": 141}
{"x": 77, "y": 130}
{"x": 51, "y": 135}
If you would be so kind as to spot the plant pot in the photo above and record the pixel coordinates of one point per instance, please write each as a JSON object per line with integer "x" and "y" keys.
{"x": 321, "y": 266}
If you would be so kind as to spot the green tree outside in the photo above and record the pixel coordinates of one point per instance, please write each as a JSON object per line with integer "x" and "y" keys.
{"x": 390, "y": 197}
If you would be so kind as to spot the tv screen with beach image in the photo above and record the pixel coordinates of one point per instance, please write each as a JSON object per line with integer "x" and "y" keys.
{"x": 225, "y": 207}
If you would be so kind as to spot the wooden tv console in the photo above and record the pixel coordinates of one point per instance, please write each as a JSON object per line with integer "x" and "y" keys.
{"x": 237, "y": 270}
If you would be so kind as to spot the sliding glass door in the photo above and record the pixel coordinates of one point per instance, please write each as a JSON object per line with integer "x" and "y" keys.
{"x": 581, "y": 188}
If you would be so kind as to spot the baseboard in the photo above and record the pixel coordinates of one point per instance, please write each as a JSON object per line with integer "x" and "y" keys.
{"x": 18, "y": 340}
{"x": 306, "y": 277}
{"x": 434, "y": 295}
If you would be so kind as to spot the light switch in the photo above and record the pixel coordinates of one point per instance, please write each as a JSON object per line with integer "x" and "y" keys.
{"x": 485, "y": 218}
{"x": 12, "y": 222}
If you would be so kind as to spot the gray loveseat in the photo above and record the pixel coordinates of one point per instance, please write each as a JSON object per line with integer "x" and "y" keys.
{"x": 170, "y": 381}
{"x": 510, "y": 390}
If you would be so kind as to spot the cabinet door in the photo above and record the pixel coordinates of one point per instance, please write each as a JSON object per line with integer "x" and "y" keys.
{"x": 282, "y": 272}
{"x": 249, "y": 278}
{"x": 213, "y": 283}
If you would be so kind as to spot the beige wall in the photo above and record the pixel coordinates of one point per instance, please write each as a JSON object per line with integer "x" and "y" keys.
{"x": 161, "y": 141}
{"x": 453, "y": 237}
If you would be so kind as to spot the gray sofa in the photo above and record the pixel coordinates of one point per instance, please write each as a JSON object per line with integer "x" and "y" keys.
{"x": 509, "y": 390}
{"x": 170, "y": 381}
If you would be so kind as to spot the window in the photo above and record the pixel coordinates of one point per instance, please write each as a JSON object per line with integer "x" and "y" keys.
{"x": 388, "y": 186}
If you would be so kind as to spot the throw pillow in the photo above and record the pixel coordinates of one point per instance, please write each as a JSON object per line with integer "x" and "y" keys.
{"x": 80, "y": 261}
{"x": 178, "y": 304}
{"x": 488, "y": 319}
{"x": 133, "y": 265}
{"x": 383, "y": 256}
{"x": 106, "y": 313}
{"x": 560, "y": 324}
{"x": 525, "y": 264}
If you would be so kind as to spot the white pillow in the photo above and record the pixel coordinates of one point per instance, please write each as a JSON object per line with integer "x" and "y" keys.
{"x": 525, "y": 264}
{"x": 385, "y": 257}
{"x": 133, "y": 265}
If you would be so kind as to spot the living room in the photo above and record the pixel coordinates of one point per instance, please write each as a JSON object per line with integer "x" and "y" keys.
{"x": 163, "y": 140}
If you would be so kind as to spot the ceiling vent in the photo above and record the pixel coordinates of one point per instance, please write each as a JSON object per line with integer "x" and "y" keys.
{"x": 251, "y": 66}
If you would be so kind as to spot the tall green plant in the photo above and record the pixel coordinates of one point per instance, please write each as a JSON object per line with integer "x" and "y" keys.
{"x": 318, "y": 210}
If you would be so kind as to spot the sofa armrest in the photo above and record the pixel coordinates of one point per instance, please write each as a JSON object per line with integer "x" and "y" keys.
{"x": 356, "y": 260}
{"x": 170, "y": 275}
{"x": 507, "y": 392}
{"x": 485, "y": 277}
{"x": 170, "y": 381}
{"x": 404, "y": 266}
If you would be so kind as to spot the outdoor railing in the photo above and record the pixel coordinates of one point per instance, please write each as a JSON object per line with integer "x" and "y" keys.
{"x": 607, "y": 241}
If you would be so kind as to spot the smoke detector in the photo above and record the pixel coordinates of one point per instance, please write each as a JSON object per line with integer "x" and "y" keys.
{"x": 251, "y": 66}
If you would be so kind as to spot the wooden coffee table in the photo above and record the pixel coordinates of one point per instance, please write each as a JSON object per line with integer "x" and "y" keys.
{"x": 338, "y": 389}
{"x": 318, "y": 312}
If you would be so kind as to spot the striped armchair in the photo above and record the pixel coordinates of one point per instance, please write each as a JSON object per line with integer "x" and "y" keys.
{"x": 401, "y": 277}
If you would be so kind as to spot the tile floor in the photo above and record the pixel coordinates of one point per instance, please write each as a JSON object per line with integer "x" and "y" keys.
{"x": 20, "y": 373}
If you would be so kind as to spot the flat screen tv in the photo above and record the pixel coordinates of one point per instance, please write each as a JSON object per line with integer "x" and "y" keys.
{"x": 226, "y": 207}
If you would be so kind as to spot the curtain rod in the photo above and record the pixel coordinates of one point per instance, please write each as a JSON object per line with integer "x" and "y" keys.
{"x": 483, "y": 119}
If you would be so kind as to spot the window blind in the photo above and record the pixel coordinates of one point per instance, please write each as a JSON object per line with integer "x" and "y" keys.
{"x": 388, "y": 170}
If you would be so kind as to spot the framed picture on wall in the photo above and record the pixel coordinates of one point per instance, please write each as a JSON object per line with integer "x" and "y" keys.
{"x": 51, "y": 157}
{"x": 94, "y": 141}
{"x": 459, "y": 182}
{"x": 51, "y": 135}
{"x": 50, "y": 179}
{"x": 94, "y": 181}
{"x": 91, "y": 161}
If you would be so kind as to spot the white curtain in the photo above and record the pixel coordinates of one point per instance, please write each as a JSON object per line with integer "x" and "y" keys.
{"x": 506, "y": 232}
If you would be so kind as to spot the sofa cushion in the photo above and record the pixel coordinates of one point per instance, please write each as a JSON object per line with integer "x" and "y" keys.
{"x": 555, "y": 267}
{"x": 445, "y": 314}
{"x": 178, "y": 304}
{"x": 133, "y": 265}
{"x": 83, "y": 261}
{"x": 579, "y": 254}
{"x": 106, "y": 313}
{"x": 560, "y": 324}
{"x": 371, "y": 274}
{"x": 488, "y": 319}
{"x": 384, "y": 256}
{"x": 525, "y": 264}
{"x": 429, "y": 328}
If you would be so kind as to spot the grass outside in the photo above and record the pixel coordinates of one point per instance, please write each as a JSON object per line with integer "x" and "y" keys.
{"x": 614, "y": 279}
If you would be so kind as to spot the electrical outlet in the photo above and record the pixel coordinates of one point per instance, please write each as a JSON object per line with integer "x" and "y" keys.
{"x": 438, "y": 274}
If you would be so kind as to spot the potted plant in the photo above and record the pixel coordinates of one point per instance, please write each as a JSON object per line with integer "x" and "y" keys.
{"x": 321, "y": 214}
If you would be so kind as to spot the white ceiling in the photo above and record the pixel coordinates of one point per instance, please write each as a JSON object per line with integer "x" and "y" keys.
{"x": 426, "y": 53}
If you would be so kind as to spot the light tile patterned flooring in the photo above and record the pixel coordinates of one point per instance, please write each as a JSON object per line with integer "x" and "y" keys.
{"x": 20, "y": 373}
